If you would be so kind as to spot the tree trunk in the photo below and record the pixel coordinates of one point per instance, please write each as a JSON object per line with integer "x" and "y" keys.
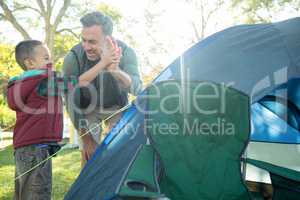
{"x": 8, "y": 15}
{"x": 49, "y": 39}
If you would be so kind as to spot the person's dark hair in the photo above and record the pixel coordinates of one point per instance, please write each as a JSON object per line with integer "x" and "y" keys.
{"x": 97, "y": 18}
{"x": 24, "y": 50}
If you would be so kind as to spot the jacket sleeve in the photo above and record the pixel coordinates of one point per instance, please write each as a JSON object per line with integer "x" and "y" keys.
{"x": 17, "y": 94}
{"x": 130, "y": 66}
{"x": 72, "y": 98}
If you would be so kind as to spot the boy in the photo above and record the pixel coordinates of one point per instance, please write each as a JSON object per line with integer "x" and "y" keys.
{"x": 39, "y": 122}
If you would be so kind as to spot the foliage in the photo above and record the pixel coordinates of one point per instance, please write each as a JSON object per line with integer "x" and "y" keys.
{"x": 66, "y": 36}
{"x": 255, "y": 11}
{"x": 8, "y": 65}
{"x": 62, "y": 44}
{"x": 113, "y": 12}
{"x": 7, "y": 117}
{"x": 202, "y": 12}
{"x": 25, "y": 17}
{"x": 8, "y": 68}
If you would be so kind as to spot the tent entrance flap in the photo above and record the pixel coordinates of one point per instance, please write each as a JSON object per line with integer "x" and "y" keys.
{"x": 141, "y": 178}
{"x": 200, "y": 149}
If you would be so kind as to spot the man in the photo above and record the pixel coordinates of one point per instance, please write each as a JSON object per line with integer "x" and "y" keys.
{"x": 89, "y": 105}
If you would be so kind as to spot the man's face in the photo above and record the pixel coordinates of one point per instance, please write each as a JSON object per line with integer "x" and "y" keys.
{"x": 92, "y": 40}
{"x": 40, "y": 58}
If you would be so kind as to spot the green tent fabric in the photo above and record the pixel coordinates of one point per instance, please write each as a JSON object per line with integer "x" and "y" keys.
{"x": 285, "y": 182}
{"x": 200, "y": 130}
{"x": 141, "y": 178}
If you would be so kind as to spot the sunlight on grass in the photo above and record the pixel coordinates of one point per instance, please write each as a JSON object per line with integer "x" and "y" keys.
{"x": 66, "y": 167}
{"x": 6, "y": 181}
{"x": 7, "y": 171}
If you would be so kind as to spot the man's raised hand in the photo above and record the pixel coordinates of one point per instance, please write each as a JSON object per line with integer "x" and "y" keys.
{"x": 110, "y": 53}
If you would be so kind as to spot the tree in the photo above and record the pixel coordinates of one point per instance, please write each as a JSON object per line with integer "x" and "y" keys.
{"x": 60, "y": 26}
{"x": 52, "y": 17}
{"x": 161, "y": 43}
{"x": 113, "y": 12}
{"x": 42, "y": 9}
{"x": 8, "y": 68}
{"x": 255, "y": 11}
{"x": 202, "y": 13}
{"x": 155, "y": 44}
{"x": 60, "y": 22}
{"x": 62, "y": 45}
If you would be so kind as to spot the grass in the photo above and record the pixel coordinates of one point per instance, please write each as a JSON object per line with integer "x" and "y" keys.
{"x": 65, "y": 169}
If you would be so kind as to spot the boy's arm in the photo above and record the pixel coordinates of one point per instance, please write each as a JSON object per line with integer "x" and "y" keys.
{"x": 18, "y": 92}
{"x": 91, "y": 74}
{"x": 15, "y": 101}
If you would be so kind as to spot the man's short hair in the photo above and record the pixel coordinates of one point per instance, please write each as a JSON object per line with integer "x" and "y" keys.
{"x": 97, "y": 18}
{"x": 24, "y": 50}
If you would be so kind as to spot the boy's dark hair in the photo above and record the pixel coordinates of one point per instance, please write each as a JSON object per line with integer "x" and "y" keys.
{"x": 97, "y": 18}
{"x": 24, "y": 50}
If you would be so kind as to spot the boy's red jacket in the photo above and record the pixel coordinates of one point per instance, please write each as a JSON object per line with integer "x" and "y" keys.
{"x": 39, "y": 117}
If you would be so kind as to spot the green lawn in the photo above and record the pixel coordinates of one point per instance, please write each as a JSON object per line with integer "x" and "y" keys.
{"x": 66, "y": 167}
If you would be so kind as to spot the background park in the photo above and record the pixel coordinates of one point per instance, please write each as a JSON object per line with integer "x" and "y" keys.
{"x": 159, "y": 31}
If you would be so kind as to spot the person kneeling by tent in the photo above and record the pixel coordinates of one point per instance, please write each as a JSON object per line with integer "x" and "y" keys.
{"x": 108, "y": 93}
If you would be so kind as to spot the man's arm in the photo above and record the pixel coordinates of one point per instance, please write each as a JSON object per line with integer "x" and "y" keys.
{"x": 122, "y": 77}
{"x": 109, "y": 56}
{"x": 128, "y": 77}
{"x": 92, "y": 73}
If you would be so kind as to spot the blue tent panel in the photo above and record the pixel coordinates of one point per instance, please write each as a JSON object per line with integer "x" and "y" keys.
{"x": 253, "y": 59}
{"x": 268, "y": 127}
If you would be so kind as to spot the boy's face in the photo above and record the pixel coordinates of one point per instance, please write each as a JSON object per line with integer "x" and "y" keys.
{"x": 40, "y": 58}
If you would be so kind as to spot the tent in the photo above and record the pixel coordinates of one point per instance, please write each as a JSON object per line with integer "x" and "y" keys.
{"x": 260, "y": 62}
